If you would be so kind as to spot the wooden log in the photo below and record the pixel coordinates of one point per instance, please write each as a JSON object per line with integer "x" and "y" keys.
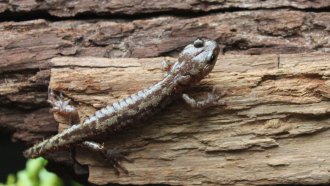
{"x": 70, "y": 8}
{"x": 273, "y": 130}
{"x": 33, "y": 32}
{"x": 27, "y": 46}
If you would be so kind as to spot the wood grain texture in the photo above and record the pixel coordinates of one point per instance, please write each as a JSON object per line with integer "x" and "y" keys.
{"x": 27, "y": 46}
{"x": 274, "y": 129}
{"x": 32, "y": 32}
{"x": 69, "y": 8}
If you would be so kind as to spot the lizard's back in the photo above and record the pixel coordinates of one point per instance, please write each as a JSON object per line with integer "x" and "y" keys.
{"x": 111, "y": 118}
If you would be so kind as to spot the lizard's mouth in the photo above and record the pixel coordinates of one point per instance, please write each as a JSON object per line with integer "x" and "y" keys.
{"x": 199, "y": 52}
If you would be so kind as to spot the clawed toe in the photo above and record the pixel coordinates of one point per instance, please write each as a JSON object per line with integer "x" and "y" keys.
{"x": 116, "y": 164}
{"x": 116, "y": 156}
{"x": 60, "y": 104}
{"x": 214, "y": 97}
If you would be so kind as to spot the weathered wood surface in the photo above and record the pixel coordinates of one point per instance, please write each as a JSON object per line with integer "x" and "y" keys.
{"x": 249, "y": 32}
{"x": 274, "y": 129}
{"x": 115, "y": 29}
{"x": 27, "y": 46}
{"x": 68, "y": 8}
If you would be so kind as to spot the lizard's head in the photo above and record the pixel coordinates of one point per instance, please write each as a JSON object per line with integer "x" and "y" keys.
{"x": 198, "y": 59}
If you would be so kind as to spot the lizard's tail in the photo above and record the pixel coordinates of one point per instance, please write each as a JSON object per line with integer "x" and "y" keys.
{"x": 59, "y": 141}
{"x": 39, "y": 149}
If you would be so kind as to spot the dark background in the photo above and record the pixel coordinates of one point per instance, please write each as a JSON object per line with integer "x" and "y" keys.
{"x": 11, "y": 157}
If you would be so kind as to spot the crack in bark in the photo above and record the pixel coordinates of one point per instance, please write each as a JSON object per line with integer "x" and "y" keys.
{"x": 44, "y": 14}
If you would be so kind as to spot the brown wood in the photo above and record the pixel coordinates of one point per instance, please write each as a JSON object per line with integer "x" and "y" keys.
{"x": 281, "y": 110}
{"x": 274, "y": 129}
{"x": 29, "y": 44}
{"x": 69, "y": 8}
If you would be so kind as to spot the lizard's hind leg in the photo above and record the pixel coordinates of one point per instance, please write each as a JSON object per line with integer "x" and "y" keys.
{"x": 67, "y": 114}
{"x": 113, "y": 156}
{"x": 63, "y": 111}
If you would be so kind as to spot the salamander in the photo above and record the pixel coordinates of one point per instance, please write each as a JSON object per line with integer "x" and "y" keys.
{"x": 194, "y": 63}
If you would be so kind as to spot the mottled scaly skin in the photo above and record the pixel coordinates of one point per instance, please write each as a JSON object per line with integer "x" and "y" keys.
{"x": 195, "y": 61}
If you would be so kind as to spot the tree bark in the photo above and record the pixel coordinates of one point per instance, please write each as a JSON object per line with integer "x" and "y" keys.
{"x": 272, "y": 131}
{"x": 70, "y": 8}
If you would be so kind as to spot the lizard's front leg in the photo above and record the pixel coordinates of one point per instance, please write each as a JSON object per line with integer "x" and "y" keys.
{"x": 212, "y": 100}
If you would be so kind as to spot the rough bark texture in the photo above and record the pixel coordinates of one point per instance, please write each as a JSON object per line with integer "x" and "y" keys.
{"x": 68, "y": 8}
{"x": 273, "y": 130}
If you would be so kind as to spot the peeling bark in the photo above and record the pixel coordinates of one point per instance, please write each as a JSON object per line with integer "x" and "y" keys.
{"x": 28, "y": 45}
{"x": 274, "y": 129}
{"x": 275, "y": 125}
{"x": 69, "y": 8}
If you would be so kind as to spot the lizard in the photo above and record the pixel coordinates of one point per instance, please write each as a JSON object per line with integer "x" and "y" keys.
{"x": 194, "y": 63}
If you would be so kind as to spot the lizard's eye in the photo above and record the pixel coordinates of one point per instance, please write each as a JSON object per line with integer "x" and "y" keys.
{"x": 212, "y": 58}
{"x": 198, "y": 43}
